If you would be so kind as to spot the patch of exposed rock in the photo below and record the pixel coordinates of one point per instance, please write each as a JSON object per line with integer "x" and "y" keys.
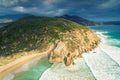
{"x": 72, "y": 45}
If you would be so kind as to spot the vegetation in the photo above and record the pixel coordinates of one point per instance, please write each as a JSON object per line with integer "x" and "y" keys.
{"x": 33, "y": 33}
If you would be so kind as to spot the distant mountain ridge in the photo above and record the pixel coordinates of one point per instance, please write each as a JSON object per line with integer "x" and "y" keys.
{"x": 8, "y": 19}
{"x": 111, "y": 23}
{"x": 78, "y": 19}
{"x": 14, "y": 16}
{"x": 86, "y": 22}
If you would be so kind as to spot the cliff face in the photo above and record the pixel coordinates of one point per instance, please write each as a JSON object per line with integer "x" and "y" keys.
{"x": 73, "y": 44}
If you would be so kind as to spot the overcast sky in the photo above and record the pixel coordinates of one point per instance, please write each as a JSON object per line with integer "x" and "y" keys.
{"x": 91, "y": 9}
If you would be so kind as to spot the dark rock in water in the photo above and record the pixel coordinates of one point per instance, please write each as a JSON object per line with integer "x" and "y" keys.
{"x": 68, "y": 61}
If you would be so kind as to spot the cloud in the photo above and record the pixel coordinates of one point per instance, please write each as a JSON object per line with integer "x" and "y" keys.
{"x": 84, "y": 8}
{"x": 50, "y": 2}
{"x": 19, "y": 9}
{"x": 40, "y": 11}
{"x": 109, "y": 4}
{"x": 56, "y": 12}
{"x": 7, "y": 3}
{"x": 24, "y": 0}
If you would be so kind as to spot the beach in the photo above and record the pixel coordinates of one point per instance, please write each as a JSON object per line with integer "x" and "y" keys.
{"x": 4, "y": 70}
{"x": 18, "y": 63}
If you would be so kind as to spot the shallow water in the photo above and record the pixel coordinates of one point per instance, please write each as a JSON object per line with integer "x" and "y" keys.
{"x": 34, "y": 72}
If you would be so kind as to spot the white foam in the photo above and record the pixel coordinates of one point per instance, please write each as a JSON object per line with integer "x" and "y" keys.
{"x": 107, "y": 46}
{"x": 113, "y": 42}
{"x": 9, "y": 76}
{"x": 100, "y": 34}
{"x": 112, "y": 51}
{"x": 59, "y": 71}
{"x": 105, "y": 63}
{"x": 102, "y": 66}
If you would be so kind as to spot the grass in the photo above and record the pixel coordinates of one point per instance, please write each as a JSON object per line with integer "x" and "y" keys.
{"x": 33, "y": 33}
{"x": 10, "y": 58}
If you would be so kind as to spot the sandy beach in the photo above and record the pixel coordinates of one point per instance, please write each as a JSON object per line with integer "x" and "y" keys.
{"x": 12, "y": 66}
{"x": 4, "y": 70}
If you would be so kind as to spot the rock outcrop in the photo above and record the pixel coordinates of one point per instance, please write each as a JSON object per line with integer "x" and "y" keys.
{"x": 73, "y": 44}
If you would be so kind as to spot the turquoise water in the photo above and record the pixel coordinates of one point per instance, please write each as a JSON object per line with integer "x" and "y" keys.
{"x": 35, "y": 71}
{"x": 112, "y": 32}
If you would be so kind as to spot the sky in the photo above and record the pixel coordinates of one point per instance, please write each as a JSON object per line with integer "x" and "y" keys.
{"x": 97, "y": 10}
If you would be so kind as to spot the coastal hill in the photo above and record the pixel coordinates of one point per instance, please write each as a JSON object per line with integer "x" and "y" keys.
{"x": 69, "y": 39}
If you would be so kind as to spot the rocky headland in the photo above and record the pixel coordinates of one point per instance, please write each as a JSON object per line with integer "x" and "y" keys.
{"x": 69, "y": 39}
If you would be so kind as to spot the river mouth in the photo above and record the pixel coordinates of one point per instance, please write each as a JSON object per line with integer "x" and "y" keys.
{"x": 32, "y": 71}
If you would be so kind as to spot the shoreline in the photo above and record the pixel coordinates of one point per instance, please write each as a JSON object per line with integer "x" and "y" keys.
{"x": 4, "y": 70}
{"x": 99, "y": 56}
{"x": 12, "y": 66}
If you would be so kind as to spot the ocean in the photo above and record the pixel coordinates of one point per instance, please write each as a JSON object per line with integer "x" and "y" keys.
{"x": 112, "y": 32}
{"x": 103, "y": 63}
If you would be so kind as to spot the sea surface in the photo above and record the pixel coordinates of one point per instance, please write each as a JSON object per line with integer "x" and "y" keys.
{"x": 32, "y": 71}
{"x": 112, "y": 32}
{"x": 103, "y": 63}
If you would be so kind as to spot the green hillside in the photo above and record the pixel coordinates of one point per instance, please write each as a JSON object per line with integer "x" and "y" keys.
{"x": 31, "y": 33}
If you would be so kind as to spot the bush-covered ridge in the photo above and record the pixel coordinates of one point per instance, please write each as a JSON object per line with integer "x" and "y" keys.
{"x": 33, "y": 32}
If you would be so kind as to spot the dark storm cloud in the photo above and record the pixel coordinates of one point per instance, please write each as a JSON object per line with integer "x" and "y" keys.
{"x": 84, "y": 8}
